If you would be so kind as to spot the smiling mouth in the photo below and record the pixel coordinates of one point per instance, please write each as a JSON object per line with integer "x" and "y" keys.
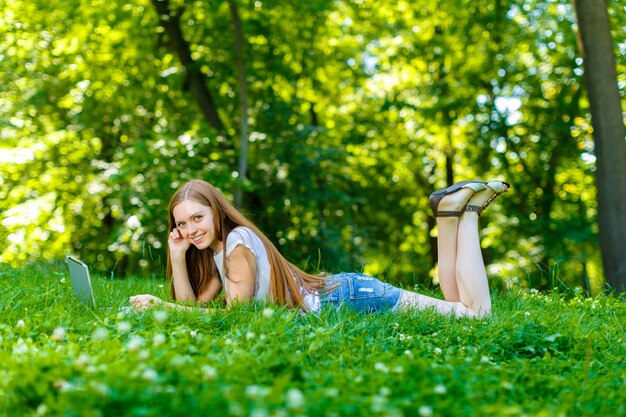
{"x": 198, "y": 238}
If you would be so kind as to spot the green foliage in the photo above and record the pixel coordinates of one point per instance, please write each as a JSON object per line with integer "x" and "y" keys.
{"x": 357, "y": 112}
{"x": 558, "y": 354}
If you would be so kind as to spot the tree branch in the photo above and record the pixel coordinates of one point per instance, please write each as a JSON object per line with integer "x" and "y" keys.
{"x": 195, "y": 79}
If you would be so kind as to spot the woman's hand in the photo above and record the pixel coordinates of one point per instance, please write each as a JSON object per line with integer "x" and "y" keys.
{"x": 145, "y": 302}
{"x": 178, "y": 245}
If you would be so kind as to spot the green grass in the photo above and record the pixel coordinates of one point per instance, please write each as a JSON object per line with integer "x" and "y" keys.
{"x": 538, "y": 355}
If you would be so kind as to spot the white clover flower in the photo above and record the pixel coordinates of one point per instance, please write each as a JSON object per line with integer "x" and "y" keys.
{"x": 252, "y": 391}
{"x": 295, "y": 398}
{"x": 193, "y": 333}
{"x": 527, "y": 314}
{"x": 425, "y": 411}
{"x": 378, "y": 403}
{"x": 408, "y": 352}
{"x": 209, "y": 372}
{"x": 250, "y": 335}
{"x": 398, "y": 369}
{"x": 143, "y": 355}
{"x": 20, "y": 347}
{"x": 100, "y": 387}
{"x": 396, "y": 326}
{"x": 440, "y": 389}
{"x": 160, "y": 316}
{"x": 134, "y": 343}
{"x": 534, "y": 291}
{"x": 20, "y": 324}
{"x": 158, "y": 339}
{"x": 256, "y": 391}
{"x": 149, "y": 374}
{"x": 437, "y": 351}
{"x": 379, "y": 366}
{"x": 268, "y": 312}
{"x": 180, "y": 360}
{"x": 58, "y": 334}
{"x": 82, "y": 360}
{"x": 63, "y": 386}
{"x": 100, "y": 334}
{"x": 62, "y": 280}
{"x": 123, "y": 327}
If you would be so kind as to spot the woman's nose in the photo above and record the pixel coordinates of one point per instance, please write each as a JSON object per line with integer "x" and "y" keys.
{"x": 191, "y": 229}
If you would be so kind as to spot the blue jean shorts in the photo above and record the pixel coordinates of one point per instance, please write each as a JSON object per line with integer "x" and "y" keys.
{"x": 359, "y": 292}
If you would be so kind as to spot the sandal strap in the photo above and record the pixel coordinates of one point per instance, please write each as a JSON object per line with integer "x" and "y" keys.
{"x": 477, "y": 209}
{"x": 448, "y": 214}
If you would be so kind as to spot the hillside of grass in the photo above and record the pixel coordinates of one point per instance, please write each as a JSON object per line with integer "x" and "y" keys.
{"x": 557, "y": 354}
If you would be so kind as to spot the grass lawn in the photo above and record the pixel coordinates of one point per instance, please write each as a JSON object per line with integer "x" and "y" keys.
{"x": 538, "y": 355}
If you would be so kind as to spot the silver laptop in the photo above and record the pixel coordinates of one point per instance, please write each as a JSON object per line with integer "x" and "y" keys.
{"x": 79, "y": 273}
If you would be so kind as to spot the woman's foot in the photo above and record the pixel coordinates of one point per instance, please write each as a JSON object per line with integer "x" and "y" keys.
{"x": 451, "y": 201}
{"x": 480, "y": 200}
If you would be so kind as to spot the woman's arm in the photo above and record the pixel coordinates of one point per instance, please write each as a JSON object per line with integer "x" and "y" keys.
{"x": 212, "y": 290}
{"x": 143, "y": 302}
{"x": 180, "y": 278}
{"x": 241, "y": 275}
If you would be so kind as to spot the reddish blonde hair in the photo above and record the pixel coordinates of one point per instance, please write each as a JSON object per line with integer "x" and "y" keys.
{"x": 285, "y": 278}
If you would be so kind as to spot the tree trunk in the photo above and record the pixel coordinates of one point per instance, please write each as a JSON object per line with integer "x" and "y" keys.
{"x": 243, "y": 101}
{"x": 608, "y": 126}
{"x": 195, "y": 79}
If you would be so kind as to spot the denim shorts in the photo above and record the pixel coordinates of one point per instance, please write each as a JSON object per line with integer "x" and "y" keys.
{"x": 359, "y": 292}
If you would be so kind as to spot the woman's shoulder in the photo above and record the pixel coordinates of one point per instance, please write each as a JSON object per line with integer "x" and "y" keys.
{"x": 243, "y": 232}
{"x": 243, "y": 235}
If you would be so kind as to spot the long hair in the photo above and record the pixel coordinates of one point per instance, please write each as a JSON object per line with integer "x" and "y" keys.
{"x": 285, "y": 278}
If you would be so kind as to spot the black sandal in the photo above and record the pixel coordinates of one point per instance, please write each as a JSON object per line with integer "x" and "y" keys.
{"x": 436, "y": 197}
{"x": 499, "y": 187}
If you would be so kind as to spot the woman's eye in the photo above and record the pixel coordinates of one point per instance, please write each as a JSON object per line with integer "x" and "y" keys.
{"x": 198, "y": 218}
{"x": 180, "y": 225}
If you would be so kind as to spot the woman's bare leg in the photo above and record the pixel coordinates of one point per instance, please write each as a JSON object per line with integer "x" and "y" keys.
{"x": 462, "y": 272}
{"x": 471, "y": 275}
{"x": 447, "y": 231}
{"x": 459, "y": 249}
{"x": 447, "y": 242}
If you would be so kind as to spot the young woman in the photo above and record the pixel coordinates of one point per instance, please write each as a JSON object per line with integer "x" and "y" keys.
{"x": 212, "y": 246}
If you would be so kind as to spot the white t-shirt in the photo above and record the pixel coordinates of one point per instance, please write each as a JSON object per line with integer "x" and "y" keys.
{"x": 242, "y": 235}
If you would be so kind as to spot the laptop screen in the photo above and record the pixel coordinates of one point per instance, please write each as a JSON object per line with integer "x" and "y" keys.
{"x": 79, "y": 273}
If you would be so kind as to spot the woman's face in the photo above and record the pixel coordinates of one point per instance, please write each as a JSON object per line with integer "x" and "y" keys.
{"x": 194, "y": 222}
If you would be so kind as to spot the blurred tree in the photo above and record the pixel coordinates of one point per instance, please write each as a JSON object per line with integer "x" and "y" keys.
{"x": 610, "y": 148}
{"x": 195, "y": 80}
{"x": 238, "y": 35}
